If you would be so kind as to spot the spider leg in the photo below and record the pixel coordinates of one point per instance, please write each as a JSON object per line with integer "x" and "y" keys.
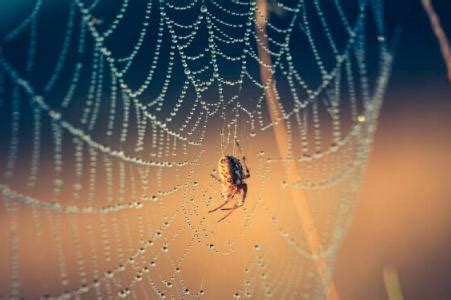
{"x": 248, "y": 173}
{"x": 229, "y": 197}
{"x": 238, "y": 145}
{"x": 232, "y": 208}
{"x": 215, "y": 177}
{"x": 228, "y": 214}
{"x": 242, "y": 187}
{"x": 222, "y": 205}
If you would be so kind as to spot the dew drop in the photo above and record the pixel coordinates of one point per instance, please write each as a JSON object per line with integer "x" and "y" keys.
{"x": 361, "y": 118}
{"x": 109, "y": 274}
{"x": 95, "y": 282}
{"x": 122, "y": 294}
{"x": 334, "y": 147}
{"x": 58, "y": 182}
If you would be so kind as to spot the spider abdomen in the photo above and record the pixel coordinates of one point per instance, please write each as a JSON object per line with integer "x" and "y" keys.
{"x": 230, "y": 170}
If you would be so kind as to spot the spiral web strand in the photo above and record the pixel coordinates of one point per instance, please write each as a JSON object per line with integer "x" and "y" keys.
{"x": 113, "y": 116}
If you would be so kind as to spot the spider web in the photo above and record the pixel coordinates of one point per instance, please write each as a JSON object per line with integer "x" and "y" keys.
{"x": 113, "y": 116}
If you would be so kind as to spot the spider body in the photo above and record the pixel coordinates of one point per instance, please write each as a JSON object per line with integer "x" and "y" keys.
{"x": 230, "y": 170}
{"x": 232, "y": 177}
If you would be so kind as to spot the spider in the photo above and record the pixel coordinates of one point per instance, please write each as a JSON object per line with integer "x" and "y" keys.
{"x": 231, "y": 177}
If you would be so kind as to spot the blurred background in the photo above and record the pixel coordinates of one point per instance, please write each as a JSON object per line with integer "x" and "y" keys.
{"x": 403, "y": 218}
